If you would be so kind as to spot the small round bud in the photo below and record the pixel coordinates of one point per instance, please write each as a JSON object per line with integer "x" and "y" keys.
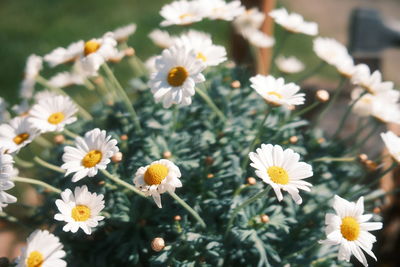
{"x": 124, "y": 137}
{"x": 293, "y": 139}
{"x": 209, "y": 160}
{"x": 101, "y": 183}
{"x": 117, "y": 157}
{"x": 292, "y": 107}
{"x": 130, "y": 51}
{"x": 99, "y": 80}
{"x": 321, "y": 140}
{"x": 363, "y": 157}
{"x": 167, "y": 154}
{"x": 251, "y": 180}
{"x": 210, "y": 175}
{"x": 110, "y": 103}
{"x": 371, "y": 165}
{"x": 59, "y": 139}
{"x": 230, "y": 64}
{"x": 177, "y": 218}
{"x": 377, "y": 210}
{"x": 322, "y": 96}
{"x": 264, "y": 218}
{"x": 235, "y": 84}
{"x": 158, "y": 244}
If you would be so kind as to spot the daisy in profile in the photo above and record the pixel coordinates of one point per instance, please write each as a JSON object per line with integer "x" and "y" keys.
{"x": 157, "y": 178}
{"x": 249, "y": 20}
{"x": 349, "y": 228}
{"x": 294, "y": 22}
{"x": 372, "y": 82}
{"x": 52, "y": 114}
{"x": 122, "y": 34}
{"x": 16, "y": 134}
{"x": 205, "y": 50}
{"x": 91, "y": 153}
{"x": 6, "y": 165}
{"x": 6, "y": 172}
{"x": 219, "y": 9}
{"x": 178, "y": 71}
{"x": 66, "y": 78}
{"x": 181, "y": 13}
{"x": 79, "y": 209}
{"x": 63, "y": 55}
{"x": 276, "y": 92}
{"x": 258, "y": 38}
{"x": 162, "y": 38}
{"x": 34, "y": 65}
{"x": 289, "y": 64}
{"x": 330, "y": 50}
{"x": 282, "y": 170}
{"x": 42, "y": 249}
{"x": 392, "y": 143}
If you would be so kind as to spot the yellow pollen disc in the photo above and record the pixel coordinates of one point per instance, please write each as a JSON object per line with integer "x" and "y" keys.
{"x": 80, "y": 213}
{"x": 19, "y": 139}
{"x": 56, "y": 118}
{"x": 92, "y": 158}
{"x": 155, "y": 174}
{"x": 275, "y": 94}
{"x": 278, "y": 175}
{"x": 186, "y": 15}
{"x": 177, "y": 76}
{"x": 350, "y": 228}
{"x": 91, "y": 47}
{"x": 35, "y": 259}
{"x": 201, "y": 56}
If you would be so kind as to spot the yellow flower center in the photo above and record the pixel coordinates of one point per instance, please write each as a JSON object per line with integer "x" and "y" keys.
{"x": 155, "y": 174}
{"x": 35, "y": 259}
{"x": 278, "y": 175}
{"x": 177, "y": 76}
{"x": 56, "y": 118}
{"x": 350, "y": 228}
{"x": 275, "y": 94}
{"x": 92, "y": 158}
{"x": 80, "y": 213}
{"x": 91, "y": 47}
{"x": 201, "y": 56}
{"x": 19, "y": 139}
{"x": 186, "y": 15}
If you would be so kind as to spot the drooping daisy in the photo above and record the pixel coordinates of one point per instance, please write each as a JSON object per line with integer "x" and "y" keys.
{"x": 92, "y": 153}
{"x": 349, "y": 228}
{"x": 79, "y": 209}
{"x": 178, "y": 70}
{"x": 372, "y": 82}
{"x": 34, "y": 65}
{"x": 392, "y": 143}
{"x": 293, "y": 22}
{"x": 248, "y": 20}
{"x": 258, "y": 38}
{"x": 65, "y": 79}
{"x": 219, "y": 9}
{"x": 16, "y": 134}
{"x": 276, "y": 92}
{"x": 157, "y": 178}
{"x": 63, "y": 55}
{"x": 122, "y": 34}
{"x": 6, "y": 165}
{"x": 330, "y": 50}
{"x": 205, "y": 50}
{"x": 282, "y": 170}
{"x": 162, "y": 38}
{"x": 181, "y": 13}
{"x": 289, "y": 64}
{"x": 43, "y": 249}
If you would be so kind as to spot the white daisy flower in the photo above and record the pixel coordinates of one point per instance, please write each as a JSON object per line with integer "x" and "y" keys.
{"x": 345, "y": 66}
{"x": 330, "y": 50}
{"x": 372, "y": 82}
{"x": 219, "y": 9}
{"x": 289, "y": 64}
{"x": 4, "y": 114}
{"x": 41, "y": 95}
{"x": 258, "y": 38}
{"x": 392, "y": 143}
{"x": 43, "y": 249}
{"x": 162, "y": 38}
{"x": 16, "y": 134}
{"x": 92, "y": 153}
{"x": 63, "y": 55}
{"x": 6, "y": 198}
{"x": 349, "y": 228}
{"x": 282, "y": 170}
{"x": 122, "y": 34}
{"x": 157, "y": 178}
{"x": 293, "y": 22}
{"x": 65, "y": 79}
{"x": 79, "y": 209}
{"x": 6, "y": 165}
{"x": 34, "y": 65}
{"x": 276, "y": 92}
{"x": 250, "y": 19}
{"x": 178, "y": 71}
{"x": 181, "y": 13}
{"x": 205, "y": 50}
{"x": 53, "y": 114}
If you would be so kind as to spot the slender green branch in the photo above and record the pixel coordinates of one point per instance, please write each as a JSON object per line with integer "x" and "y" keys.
{"x": 210, "y": 103}
{"x": 48, "y": 165}
{"x": 23, "y": 163}
{"x": 304, "y": 110}
{"x": 121, "y": 182}
{"x": 343, "y": 159}
{"x": 189, "y": 209}
{"x": 40, "y": 140}
{"x": 36, "y": 182}
{"x": 70, "y": 133}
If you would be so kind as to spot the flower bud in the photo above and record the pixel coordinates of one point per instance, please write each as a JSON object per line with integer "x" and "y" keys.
{"x": 210, "y": 175}
{"x": 98, "y": 80}
{"x": 371, "y": 165}
{"x": 293, "y": 139}
{"x": 117, "y": 157}
{"x": 124, "y": 137}
{"x": 59, "y": 139}
{"x": 321, "y": 140}
{"x": 235, "y": 84}
{"x": 130, "y": 51}
{"x": 377, "y": 210}
{"x": 209, "y": 160}
{"x": 167, "y": 154}
{"x": 251, "y": 181}
{"x": 177, "y": 218}
{"x": 264, "y": 218}
{"x": 363, "y": 158}
{"x": 322, "y": 96}
{"x": 158, "y": 244}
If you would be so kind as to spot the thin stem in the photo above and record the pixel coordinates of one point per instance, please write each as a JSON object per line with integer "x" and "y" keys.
{"x": 208, "y": 100}
{"x": 391, "y": 168}
{"x": 48, "y": 165}
{"x": 40, "y": 140}
{"x": 304, "y": 110}
{"x": 359, "y": 145}
{"x": 42, "y": 81}
{"x": 189, "y": 209}
{"x": 23, "y": 163}
{"x": 70, "y": 134}
{"x": 343, "y": 159}
{"x": 124, "y": 97}
{"x": 121, "y": 182}
{"x": 243, "y": 205}
{"x": 36, "y": 182}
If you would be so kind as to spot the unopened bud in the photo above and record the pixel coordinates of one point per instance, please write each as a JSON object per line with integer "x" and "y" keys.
{"x": 371, "y": 165}
{"x": 210, "y": 175}
{"x": 293, "y": 139}
{"x": 209, "y": 160}
{"x": 363, "y": 157}
{"x": 264, "y": 218}
{"x": 235, "y": 84}
{"x": 158, "y": 244}
{"x": 251, "y": 180}
{"x": 101, "y": 183}
{"x": 177, "y": 218}
{"x": 322, "y": 96}
{"x": 321, "y": 140}
{"x": 124, "y": 137}
{"x": 59, "y": 139}
{"x": 377, "y": 210}
{"x": 130, "y": 51}
{"x": 98, "y": 80}
{"x": 167, "y": 154}
{"x": 117, "y": 157}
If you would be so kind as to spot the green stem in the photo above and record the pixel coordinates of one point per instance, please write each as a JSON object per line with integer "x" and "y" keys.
{"x": 123, "y": 183}
{"x": 124, "y": 97}
{"x": 208, "y": 100}
{"x": 243, "y": 205}
{"x": 304, "y": 110}
{"x": 36, "y": 182}
{"x": 189, "y": 209}
{"x": 23, "y": 163}
{"x": 377, "y": 180}
{"x": 42, "y": 81}
{"x": 70, "y": 134}
{"x": 344, "y": 159}
{"x": 48, "y": 165}
{"x": 359, "y": 145}
{"x": 40, "y": 140}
